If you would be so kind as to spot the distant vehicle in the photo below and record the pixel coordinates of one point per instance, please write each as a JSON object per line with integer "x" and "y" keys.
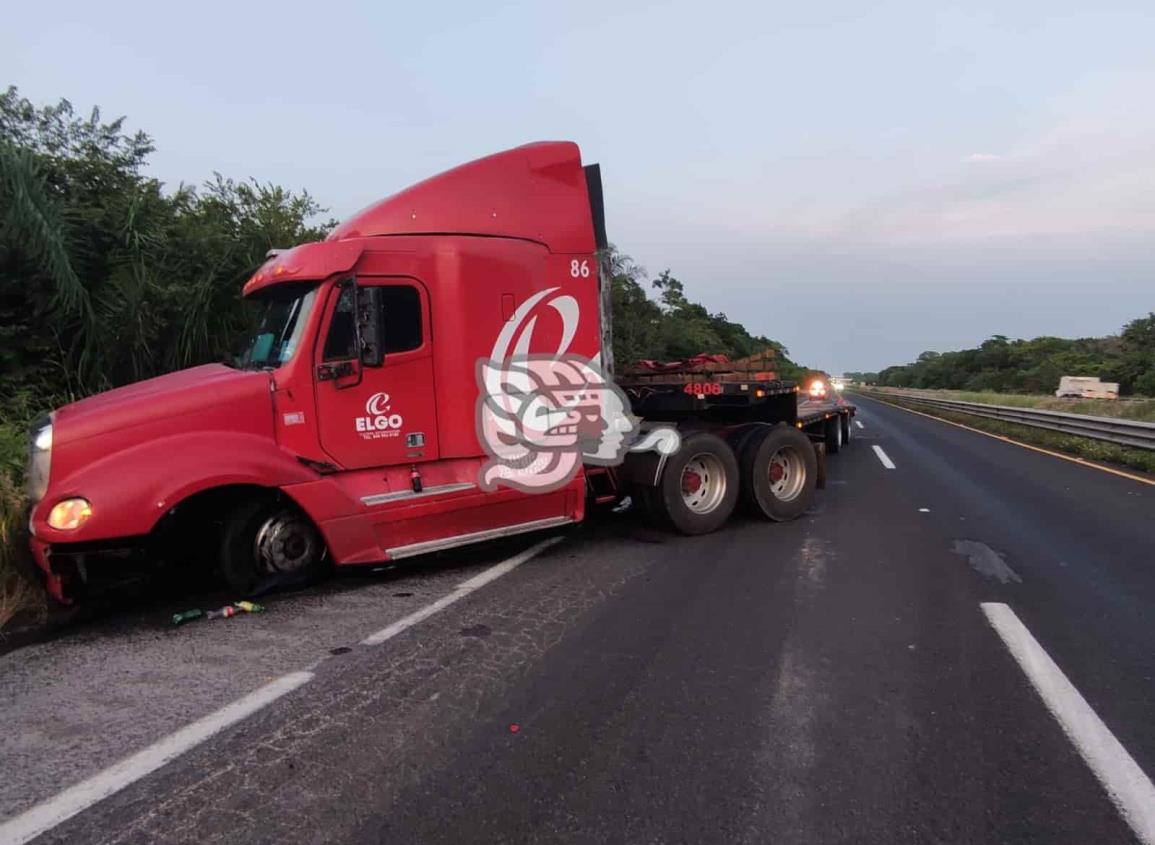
{"x": 1086, "y": 387}
{"x": 817, "y": 389}
{"x": 838, "y": 384}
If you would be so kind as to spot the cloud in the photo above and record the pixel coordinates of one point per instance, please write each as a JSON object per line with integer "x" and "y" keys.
{"x": 983, "y": 157}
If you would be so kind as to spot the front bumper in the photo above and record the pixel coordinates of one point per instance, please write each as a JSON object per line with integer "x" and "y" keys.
{"x": 53, "y": 583}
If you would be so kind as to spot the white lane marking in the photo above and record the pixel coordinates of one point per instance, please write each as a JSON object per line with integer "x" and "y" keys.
{"x": 882, "y": 456}
{"x": 1129, "y": 789}
{"x": 48, "y": 814}
{"x": 859, "y": 424}
{"x": 924, "y": 510}
{"x": 463, "y": 589}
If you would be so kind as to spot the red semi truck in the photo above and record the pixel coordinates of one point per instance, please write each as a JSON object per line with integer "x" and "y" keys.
{"x": 356, "y": 427}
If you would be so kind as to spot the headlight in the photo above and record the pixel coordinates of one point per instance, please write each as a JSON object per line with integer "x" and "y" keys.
{"x": 43, "y": 438}
{"x": 39, "y": 460}
{"x": 69, "y": 514}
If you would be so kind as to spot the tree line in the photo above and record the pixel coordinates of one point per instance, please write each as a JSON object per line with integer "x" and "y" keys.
{"x": 1034, "y": 366}
{"x": 672, "y": 327}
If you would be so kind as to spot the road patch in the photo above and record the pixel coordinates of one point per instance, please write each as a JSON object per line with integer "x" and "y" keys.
{"x": 986, "y": 561}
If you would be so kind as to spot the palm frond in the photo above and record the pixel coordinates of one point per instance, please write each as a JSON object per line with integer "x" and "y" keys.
{"x": 30, "y": 214}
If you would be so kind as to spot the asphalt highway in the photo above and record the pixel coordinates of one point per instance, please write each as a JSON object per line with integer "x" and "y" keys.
{"x": 860, "y": 675}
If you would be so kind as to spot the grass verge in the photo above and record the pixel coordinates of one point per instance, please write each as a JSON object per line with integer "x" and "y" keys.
{"x": 1127, "y": 409}
{"x": 1092, "y": 450}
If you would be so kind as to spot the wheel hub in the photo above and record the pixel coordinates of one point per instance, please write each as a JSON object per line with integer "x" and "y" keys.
{"x": 703, "y": 483}
{"x": 691, "y": 482}
{"x": 287, "y": 542}
{"x": 786, "y": 473}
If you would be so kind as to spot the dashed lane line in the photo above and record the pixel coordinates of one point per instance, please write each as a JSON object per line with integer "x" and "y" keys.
{"x": 1128, "y": 787}
{"x": 1069, "y": 458}
{"x": 882, "y": 456}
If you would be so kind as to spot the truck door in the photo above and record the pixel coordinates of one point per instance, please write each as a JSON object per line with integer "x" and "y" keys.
{"x": 371, "y": 416}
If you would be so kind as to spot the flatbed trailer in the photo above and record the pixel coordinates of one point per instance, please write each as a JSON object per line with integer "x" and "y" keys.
{"x": 748, "y": 442}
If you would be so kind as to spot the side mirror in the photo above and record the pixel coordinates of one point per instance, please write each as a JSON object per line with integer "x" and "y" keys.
{"x": 370, "y": 326}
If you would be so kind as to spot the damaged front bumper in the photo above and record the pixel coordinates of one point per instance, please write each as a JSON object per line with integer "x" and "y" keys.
{"x": 72, "y": 571}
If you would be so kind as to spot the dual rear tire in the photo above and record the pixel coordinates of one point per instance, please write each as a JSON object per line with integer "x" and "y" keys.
{"x": 773, "y": 475}
{"x": 779, "y": 473}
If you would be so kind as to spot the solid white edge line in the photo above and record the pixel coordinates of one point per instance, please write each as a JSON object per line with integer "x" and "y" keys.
{"x": 882, "y": 456}
{"x": 48, "y": 814}
{"x": 58, "y": 809}
{"x": 463, "y": 589}
{"x": 859, "y": 424}
{"x": 1128, "y": 787}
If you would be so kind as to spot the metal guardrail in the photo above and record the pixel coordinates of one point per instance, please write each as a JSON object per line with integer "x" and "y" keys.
{"x": 1133, "y": 433}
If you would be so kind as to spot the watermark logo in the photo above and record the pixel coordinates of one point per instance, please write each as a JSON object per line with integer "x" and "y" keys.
{"x": 541, "y": 416}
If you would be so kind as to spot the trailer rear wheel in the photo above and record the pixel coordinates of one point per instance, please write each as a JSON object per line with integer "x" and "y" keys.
{"x": 266, "y": 543}
{"x": 832, "y": 432}
{"x": 779, "y": 474}
{"x": 847, "y": 426}
{"x": 699, "y": 487}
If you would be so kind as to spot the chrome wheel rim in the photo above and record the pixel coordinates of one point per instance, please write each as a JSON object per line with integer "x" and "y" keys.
{"x": 287, "y": 542}
{"x": 703, "y": 483}
{"x": 786, "y": 473}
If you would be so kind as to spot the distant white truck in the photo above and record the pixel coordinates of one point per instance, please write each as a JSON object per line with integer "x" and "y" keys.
{"x": 1086, "y": 387}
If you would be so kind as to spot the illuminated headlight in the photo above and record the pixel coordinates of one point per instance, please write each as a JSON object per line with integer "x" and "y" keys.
{"x": 69, "y": 514}
{"x": 39, "y": 461}
{"x": 43, "y": 439}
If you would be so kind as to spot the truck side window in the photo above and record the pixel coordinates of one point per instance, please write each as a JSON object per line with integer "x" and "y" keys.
{"x": 341, "y": 344}
{"x": 401, "y": 313}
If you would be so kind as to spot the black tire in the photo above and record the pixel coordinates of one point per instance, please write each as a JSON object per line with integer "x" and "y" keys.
{"x": 707, "y": 462}
{"x": 791, "y": 493}
{"x": 647, "y": 503}
{"x": 832, "y": 432}
{"x": 268, "y": 543}
{"x": 847, "y": 425}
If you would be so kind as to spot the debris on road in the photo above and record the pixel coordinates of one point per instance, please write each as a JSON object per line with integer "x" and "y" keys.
{"x": 226, "y": 612}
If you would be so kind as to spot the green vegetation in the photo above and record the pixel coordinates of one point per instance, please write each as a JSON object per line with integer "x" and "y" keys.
{"x": 1092, "y": 450}
{"x": 1134, "y": 409}
{"x": 107, "y": 277}
{"x": 1034, "y": 366}
{"x": 673, "y": 328}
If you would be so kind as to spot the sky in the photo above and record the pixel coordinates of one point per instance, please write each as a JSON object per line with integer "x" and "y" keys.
{"x": 860, "y": 181}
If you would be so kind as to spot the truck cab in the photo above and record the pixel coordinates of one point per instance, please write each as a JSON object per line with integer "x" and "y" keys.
{"x": 347, "y": 431}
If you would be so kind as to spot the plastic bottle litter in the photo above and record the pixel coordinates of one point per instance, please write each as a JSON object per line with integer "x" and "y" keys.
{"x": 226, "y": 612}
{"x": 187, "y": 616}
{"x": 233, "y": 609}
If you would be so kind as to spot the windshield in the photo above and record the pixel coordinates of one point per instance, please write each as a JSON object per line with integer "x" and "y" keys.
{"x": 280, "y": 323}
